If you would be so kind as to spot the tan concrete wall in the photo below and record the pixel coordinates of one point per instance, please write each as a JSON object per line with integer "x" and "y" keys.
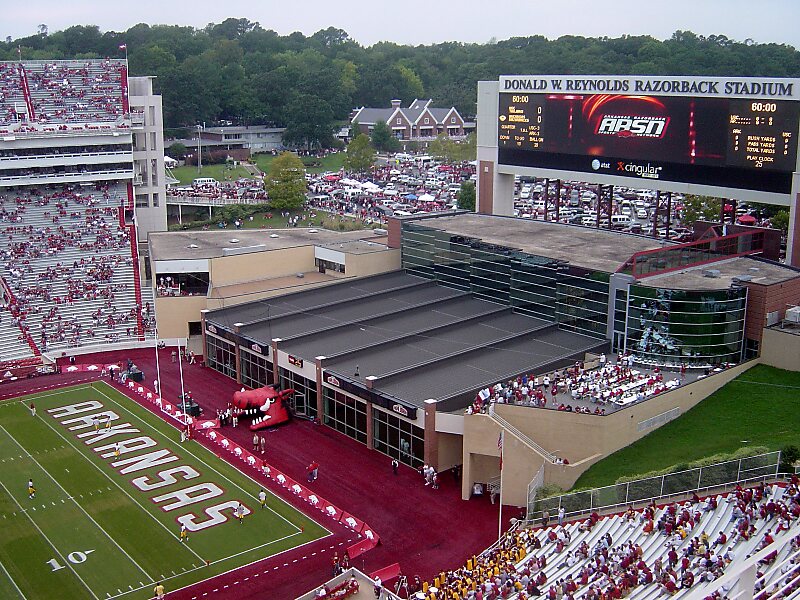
{"x": 256, "y": 266}
{"x": 520, "y": 464}
{"x": 450, "y": 450}
{"x": 362, "y": 265}
{"x": 173, "y": 314}
{"x": 582, "y": 439}
{"x": 780, "y": 349}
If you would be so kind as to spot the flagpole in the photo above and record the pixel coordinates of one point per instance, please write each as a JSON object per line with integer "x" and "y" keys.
{"x": 500, "y": 520}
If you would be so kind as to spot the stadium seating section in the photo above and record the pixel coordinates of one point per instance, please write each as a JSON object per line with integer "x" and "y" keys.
{"x": 643, "y": 554}
{"x": 68, "y": 269}
{"x": 56, "y": 94}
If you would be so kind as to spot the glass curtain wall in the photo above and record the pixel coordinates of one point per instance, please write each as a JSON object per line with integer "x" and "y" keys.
{"x": 398, "y": 438}
{"x": 542, "y": 287}
{"x": 304, "y": 400}
{"x": 221, "y": 355}
{"x": 256, "y": 369}
{"x": 345, "y": 414}
{"x": 686, "y": 326}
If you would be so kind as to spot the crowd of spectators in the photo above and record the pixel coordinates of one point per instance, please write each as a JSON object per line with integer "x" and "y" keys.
{"x": 241, "y": 189}
{"x": 673, "y": 548}
{"x": 407, "y": 187}
{"x": 60, "y": 93}
{"x": 580, "y": 389}
{"x": 62, "y": 253}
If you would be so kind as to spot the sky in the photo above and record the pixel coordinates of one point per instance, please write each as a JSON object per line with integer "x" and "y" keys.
{"x": 417, "y": 22}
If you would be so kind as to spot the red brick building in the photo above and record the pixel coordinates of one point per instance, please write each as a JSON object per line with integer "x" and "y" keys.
{"x": 419, "y": 121}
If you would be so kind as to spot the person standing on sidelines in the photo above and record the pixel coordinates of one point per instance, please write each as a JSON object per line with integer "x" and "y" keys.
{"x": 31, "y": 489}
{"x": 255, "y": 442}
{"x": 262, "y": 498}
{"x": 33, "y": 409}
{"x": 239, "y": 512}
{"x": 159, "y": 591}
{"x": 184, "y": 535}
{"x": 263, "y": 443}
{"x": 395, "y": 465}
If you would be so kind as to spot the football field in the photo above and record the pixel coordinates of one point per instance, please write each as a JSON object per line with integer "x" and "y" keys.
{"x": 113, "y": 488}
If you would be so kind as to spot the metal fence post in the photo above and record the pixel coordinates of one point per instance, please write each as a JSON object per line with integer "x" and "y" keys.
{"x": 739, "y": 471}
{"x": 699, "y": 477}
{"x": 662, "y": 486}
{"x": 627, "y": 491}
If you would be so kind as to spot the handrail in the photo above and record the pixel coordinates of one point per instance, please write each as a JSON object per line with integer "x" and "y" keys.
{"x": 548, "y": 456}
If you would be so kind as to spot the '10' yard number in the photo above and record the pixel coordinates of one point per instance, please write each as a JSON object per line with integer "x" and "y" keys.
{"x": 75, "y": 558}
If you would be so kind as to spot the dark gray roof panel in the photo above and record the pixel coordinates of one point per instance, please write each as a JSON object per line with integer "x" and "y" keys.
{"x": 305, "y": 300}
{"x": 324, "y": 317}
{"x": 368, "y": 331}
{"x": 477, "y": 369}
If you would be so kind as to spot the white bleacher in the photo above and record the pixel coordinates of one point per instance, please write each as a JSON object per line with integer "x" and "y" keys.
{"x": 75, "y": 91}
{"x": 67, "y": 261}
{"x": 626, "y": 532}
{"x": 12, "y": 99}
{"x": 13, "y": 344}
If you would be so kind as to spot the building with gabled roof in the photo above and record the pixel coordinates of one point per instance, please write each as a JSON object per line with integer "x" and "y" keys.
{"x": 418, "y": 122}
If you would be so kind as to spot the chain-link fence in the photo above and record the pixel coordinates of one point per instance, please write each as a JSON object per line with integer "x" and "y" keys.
{"x": 691, "y": 480}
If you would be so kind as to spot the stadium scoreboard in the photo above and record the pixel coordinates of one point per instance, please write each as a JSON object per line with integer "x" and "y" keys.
{"x": 738, "y": 133}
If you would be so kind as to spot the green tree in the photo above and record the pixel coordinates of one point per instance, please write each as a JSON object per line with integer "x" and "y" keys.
{"x": 440, "y": 147}
{"x": 286, "y": 182}
{"x": 466, "y": 197}
{"x": 700, "y": 208}
{"x": 177, "y": 151}
{"x": 382, "y": 138}
{"x": 780, "y": 220}
{"x": 360, "y": 154}
{"x": 309, "y": 121}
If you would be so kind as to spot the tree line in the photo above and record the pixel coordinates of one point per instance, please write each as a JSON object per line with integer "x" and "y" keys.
{"x": 241, "y": 72}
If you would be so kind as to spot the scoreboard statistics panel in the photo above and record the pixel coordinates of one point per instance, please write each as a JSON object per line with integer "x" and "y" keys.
{"x": 727, "y": 142}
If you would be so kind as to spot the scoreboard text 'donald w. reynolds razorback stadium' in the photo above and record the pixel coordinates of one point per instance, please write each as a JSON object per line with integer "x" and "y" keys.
{"x": 736, "y": 133}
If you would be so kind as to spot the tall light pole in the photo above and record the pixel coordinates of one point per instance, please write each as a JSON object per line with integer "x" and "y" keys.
{"x": 199, "y": 151}
{"x": 158, "y": 368}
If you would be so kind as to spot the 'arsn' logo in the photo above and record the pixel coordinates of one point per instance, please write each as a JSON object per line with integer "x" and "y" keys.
{"x": 627, "y": 126}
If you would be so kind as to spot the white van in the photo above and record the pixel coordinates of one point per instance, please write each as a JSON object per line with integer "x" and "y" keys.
{"x": 620, "y": 221}
{"x": 205, "y": 181}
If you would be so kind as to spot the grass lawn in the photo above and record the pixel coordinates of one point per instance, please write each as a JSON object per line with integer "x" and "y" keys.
{"x": 104, "y": 520}
{"x": 219, "y": 172}
{"x": 332, "y": 162}
{"x": 761, "y": 407}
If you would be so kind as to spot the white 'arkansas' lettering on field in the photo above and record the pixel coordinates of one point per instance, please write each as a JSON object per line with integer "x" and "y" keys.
{"x": 121, "y": 439}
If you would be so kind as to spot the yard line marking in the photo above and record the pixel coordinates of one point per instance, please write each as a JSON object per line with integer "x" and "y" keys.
{"x": 119, "y": 487}
{"x": 83, "y": 510}
{"x": 223, "y": 476}
{"x": 14, "y": 583}
{"x": 52, "y": 545}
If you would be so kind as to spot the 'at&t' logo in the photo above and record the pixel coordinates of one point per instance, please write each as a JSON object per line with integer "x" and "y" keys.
{"x": 627, "y": 126}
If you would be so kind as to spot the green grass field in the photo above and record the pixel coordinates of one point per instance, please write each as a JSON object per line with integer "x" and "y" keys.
{"x": 186, "y": 175}
{"x": 331, "y": 162}
{"x": 761, "y": 407}
{"x": 105, "y": 526}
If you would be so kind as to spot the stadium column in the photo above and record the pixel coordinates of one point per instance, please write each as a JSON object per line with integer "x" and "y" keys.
{"x": 431, "y": 439}
{"x": 237, "y": 353}
{"x": 275, "y": 371}
{"x": 320, "y": 401}
{"x": 203, "y": 314}
{"x": 793, "y": 239}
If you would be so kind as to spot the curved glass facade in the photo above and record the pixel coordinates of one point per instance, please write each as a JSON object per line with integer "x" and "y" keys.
{"x": 686, "y": 326}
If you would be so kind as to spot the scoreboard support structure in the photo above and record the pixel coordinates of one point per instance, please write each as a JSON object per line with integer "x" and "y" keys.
{"x": 733, "y": 138}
